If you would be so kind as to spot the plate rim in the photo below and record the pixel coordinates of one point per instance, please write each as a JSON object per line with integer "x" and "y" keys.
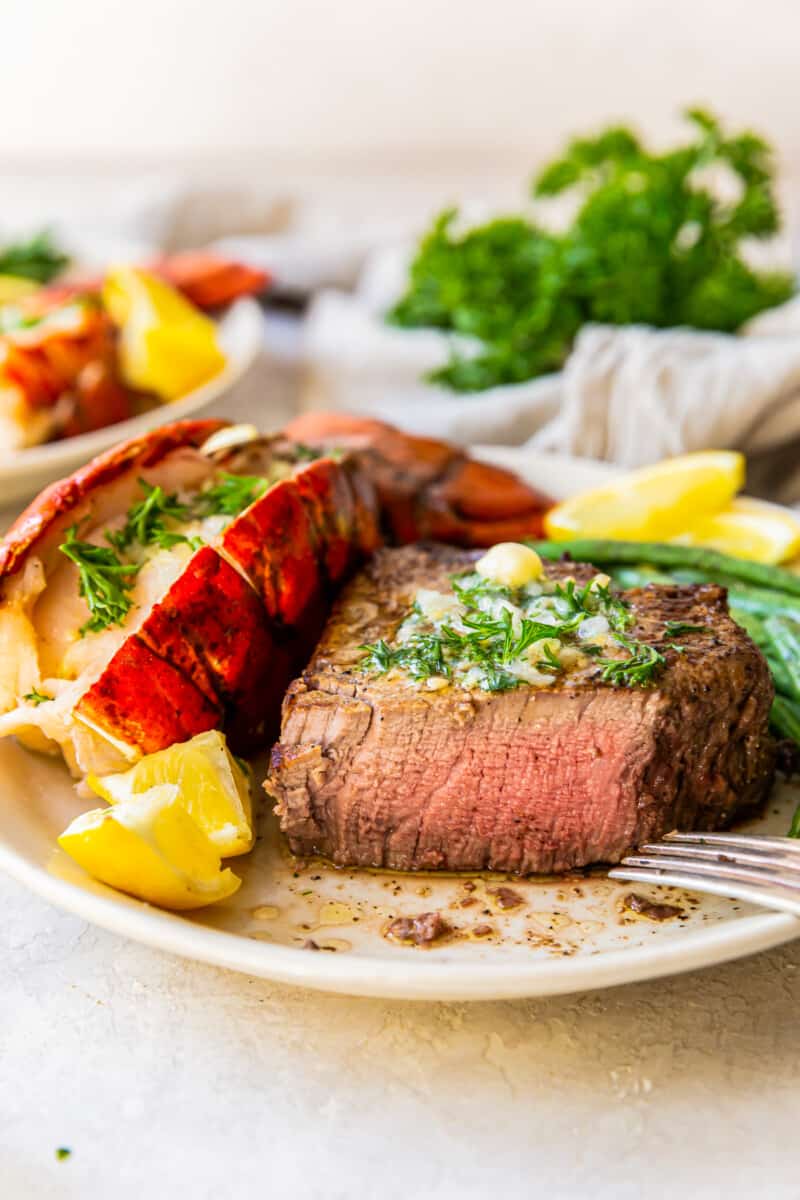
{"x": 244, "y": 313}
{"x": 404, "y": 979}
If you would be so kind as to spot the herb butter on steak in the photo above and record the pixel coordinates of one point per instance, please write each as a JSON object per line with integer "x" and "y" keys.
{"x": 378, "y": 768}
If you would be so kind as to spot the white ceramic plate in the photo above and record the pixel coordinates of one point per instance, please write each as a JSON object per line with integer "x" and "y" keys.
{"x": 566, "y": 933}
{"x": 25, "y": 472}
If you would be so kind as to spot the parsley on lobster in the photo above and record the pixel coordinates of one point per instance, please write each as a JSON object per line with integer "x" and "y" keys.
{"x": 104, "y": 581}
{"x": 145, "y": 521}
{"x": 230, "y": 495}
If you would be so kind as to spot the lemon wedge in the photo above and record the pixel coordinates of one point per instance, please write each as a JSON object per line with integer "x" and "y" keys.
{"x": 654, "y": 503}
{"x": 214, "y": 788}
{"x": 753, "y": 529}
{"x": 167, "y": 346}
{"x": 16, "y": 287}
{"x": 149, "y": 847}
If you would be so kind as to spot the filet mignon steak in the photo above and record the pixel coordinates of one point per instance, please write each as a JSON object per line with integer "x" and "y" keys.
{"x": 377, "y": 770}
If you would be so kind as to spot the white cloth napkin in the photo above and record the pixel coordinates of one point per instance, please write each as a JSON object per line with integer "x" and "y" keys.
{"x": 628, "y": 395}
{"x": 633, "y": 394}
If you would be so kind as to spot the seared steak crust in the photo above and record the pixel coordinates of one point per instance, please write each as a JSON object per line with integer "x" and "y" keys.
{"x": 378, "y": 771}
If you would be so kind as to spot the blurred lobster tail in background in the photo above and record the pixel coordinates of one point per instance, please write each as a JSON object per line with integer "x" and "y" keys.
{"x": 428, "y": 488}
{"x": 209, "y": 280}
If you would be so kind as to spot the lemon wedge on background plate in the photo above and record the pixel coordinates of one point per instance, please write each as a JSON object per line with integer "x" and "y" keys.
{"x": 214, "y": 788}
{"x": 752, "y": 529}
{"x": 167, "y": 346}
{"x": 149, "y": 847}
{"x": 653, "y": 503}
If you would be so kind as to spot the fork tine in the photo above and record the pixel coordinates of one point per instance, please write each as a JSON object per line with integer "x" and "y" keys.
{"x": 698, "y": 851}
{"x": 766, "y": 896}
{"x": 745, "y": 840}
{"x": 767, "y": 876}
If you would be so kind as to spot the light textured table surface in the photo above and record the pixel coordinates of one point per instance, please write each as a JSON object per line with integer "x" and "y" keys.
{"x": 166, "y": 1078}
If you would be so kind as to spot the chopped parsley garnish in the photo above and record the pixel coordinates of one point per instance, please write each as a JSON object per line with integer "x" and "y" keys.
{"x": 485, "y": 647}
{"x": 231, "y": 495}
{"x": 591, "y": 599}
{"x": 421, "y": 657}
{"x": 17, "y": 317}
{"x": 145, "y": 521}
{"x": 104, "y": 582}
{"x": 494, "y": 679}
{"x": 13, "y": 317}
{"x": 485, "y": 639}
{"x": 676, "y": 628}
{"x": 36, "y": 697}
{"x": 379, "y": 657}
{"x": 551, "y": 662}
{"x": 638, "y": 670}
{"x": 304, "y": 453}
{"x": 469, "y": 589}
{"x": 62, "y": 1153}
{"x": 506, "y": 644}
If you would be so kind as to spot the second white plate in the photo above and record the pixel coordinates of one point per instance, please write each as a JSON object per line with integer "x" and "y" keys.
{"x": 23, "y": 473}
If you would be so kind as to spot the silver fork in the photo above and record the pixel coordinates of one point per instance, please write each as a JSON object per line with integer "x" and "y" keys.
{"x": 761, "y": 870}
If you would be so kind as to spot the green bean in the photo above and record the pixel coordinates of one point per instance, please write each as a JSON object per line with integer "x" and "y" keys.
{"x": 780, "y": 675}
{"x": 770, "y": 598}
{"x": 640, "y": 576}
{"x": 785, "y": 638}
{"x": 669, "y": 554}
{"x": 754, "y": 626}
{"x": 760, "y": 602}
{"x": 785, "y": 717}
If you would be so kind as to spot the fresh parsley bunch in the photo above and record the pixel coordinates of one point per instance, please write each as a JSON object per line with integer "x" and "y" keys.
{"x": 38, "y": 259}
{"x": 653, "y": 241}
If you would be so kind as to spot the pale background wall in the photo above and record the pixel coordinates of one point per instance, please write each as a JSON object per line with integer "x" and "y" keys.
{"x": 327, "y": 95}
{"x": 324, "y": 79}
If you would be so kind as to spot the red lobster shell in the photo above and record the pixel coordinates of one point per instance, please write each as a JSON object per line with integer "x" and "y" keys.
{"x": 427, "y": 488}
